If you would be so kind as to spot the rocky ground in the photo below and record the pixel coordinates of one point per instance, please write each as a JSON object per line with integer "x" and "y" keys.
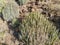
{"x": 51, "y": 9}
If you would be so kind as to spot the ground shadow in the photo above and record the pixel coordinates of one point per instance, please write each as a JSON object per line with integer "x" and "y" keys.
{"x": 15, "y": 29}
{"x": 56, "y": 22}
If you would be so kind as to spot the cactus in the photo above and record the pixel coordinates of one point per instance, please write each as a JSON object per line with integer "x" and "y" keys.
{"x": 22, "y": 2}
{"x": 10, "y": 11}
{"x": 35, "y": 29}
{"x": 2, "y": 4}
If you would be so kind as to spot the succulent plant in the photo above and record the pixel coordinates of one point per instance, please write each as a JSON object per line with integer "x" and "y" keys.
{"x": 23, "y": 2}
{"x": 2, "y": 4}
{"x": 10, "y": 11}
{"x": 37, "y": 30}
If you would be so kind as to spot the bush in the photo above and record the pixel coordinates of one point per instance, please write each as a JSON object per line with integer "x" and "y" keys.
{"x": 10, "y": 11}
{"x": 2, "y": 4}
{"x": 37, "y": 30}
{"x": 22, "y": 2}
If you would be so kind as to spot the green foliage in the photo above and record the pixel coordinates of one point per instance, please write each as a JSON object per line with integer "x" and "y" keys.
{"x": 2, "y": 34}
{"x": 10, "y": 11}
{"x": 23, "y": 2}
{"x": 15, "y": 23}
{"x": 2, "y": 4}
{"x": 37, "y": 30}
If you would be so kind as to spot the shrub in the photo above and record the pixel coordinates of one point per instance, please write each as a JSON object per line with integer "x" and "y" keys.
{"x": 10, "y": 11}
{"x": 37, "y": 30}
{"x": 3, "y": 30}
{"x": 23, "y": 2}
{"x": 2, "y": 4}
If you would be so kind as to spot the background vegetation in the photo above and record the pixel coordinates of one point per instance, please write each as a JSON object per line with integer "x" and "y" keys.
{"x": 29, "y": 22}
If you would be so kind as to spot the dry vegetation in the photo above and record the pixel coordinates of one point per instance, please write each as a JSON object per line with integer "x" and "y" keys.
{"x": 29, "y": 22}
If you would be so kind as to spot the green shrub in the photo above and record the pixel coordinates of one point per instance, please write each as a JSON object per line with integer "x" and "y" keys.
{"x": 15, "y": 23}
{"x": 2, "y": 4}
{"x": 10, "y": 11}
{"x": 23, "y": 2}
{"x": 37, "y": 30}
